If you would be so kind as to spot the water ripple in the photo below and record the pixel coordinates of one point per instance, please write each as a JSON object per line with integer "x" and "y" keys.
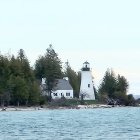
{"x": 83, "y": 124}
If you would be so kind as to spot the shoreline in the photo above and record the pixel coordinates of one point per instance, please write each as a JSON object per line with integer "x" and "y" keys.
{"x": 37, "y": 108}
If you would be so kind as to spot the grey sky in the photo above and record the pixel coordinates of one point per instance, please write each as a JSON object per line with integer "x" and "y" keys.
{"x": 104, "y": 32}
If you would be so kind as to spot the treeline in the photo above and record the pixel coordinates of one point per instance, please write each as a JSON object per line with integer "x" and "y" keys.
{"x": 20, "y": 83}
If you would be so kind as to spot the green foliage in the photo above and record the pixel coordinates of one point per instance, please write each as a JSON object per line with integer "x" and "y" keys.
{"x": 108, "y": 84}
{"x": 131, "y": 101}
{"x": 15, "y": 67}
{"x": 34, "y": 94}
{"x": 49, "y": 66}
{"x": 74, "y": 79}
{"x": 102, "y": 97}
{"x": 4, "y": 74}
{"x": 63, "y": 102}
{"x": 20, "y": 91}
{"x": 121, "y": 97}
{"x": 17, "y": 80}
{"x": 114, "y": 89}
{"x": 122, "y": 84}
{"x": 19, "y": 83}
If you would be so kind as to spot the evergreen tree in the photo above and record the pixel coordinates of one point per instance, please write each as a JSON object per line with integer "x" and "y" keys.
{"x": 108, "y": 85}
{"x": 131, "y": 101}
{"x": 21, "y": 71}
{"x": 34, "y": 94}
{"x": 20, "y": 91}
{"x": 114, "y": 89}
{"x": 74, "y": 79}
{"x": 4, "y": 75}
{"x": 15, "y": 67}
{"x": 49, "y": 66}
{"x": 122, "y": 84}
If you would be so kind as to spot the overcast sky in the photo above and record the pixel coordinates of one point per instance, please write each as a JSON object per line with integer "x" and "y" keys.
{"x": 106, "y": 33}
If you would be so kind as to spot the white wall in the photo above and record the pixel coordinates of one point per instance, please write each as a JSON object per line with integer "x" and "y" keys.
{"x": 86, "y": 78}
{"x": 63, "y": 94}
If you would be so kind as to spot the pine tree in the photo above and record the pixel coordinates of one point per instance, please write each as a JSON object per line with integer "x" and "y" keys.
{"x": 49, "y": 66}
{"x": 74, "y": 79}
{"x": 4, "y": 75}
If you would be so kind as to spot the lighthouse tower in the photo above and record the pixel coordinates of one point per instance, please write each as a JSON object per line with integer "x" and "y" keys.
{"x": 86, "y": 88}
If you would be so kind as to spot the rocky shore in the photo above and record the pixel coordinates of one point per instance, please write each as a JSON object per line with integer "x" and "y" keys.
{"x": 13, "y": 108}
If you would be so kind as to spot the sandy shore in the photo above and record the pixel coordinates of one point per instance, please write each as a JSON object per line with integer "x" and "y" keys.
{"x": 48, "y": 108}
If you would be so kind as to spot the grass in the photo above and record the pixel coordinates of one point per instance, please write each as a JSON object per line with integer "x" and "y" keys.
{"x": 71, "y": 102}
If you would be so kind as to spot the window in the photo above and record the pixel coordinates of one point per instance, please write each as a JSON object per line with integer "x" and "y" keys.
{"x": 54, "y": 94}
{"x": 89, "y": 85}
{"x": 67, "y": 94}
{"x": 61, "y": 94}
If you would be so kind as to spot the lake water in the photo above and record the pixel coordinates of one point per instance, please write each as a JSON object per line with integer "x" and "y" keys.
{"x": 71, "y": 124}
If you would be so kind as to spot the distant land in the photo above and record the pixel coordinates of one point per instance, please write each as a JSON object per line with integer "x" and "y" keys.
{"x": 136, "y": 96}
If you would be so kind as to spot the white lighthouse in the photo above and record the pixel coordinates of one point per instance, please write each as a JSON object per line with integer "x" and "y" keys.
{"x": 86, "y": 88}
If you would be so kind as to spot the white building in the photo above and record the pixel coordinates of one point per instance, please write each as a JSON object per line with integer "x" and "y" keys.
{"x": 86, "y": 88}
{"x": 62, "y": 88}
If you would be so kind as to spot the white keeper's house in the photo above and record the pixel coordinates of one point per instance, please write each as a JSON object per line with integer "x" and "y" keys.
{"x": 62, "y": 88}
